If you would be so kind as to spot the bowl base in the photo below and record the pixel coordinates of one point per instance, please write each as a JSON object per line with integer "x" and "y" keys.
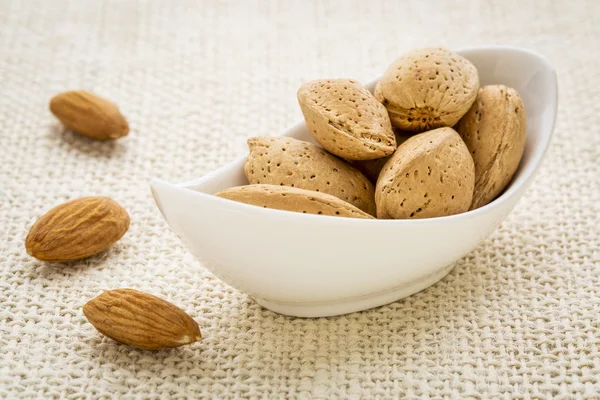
{"x": 346, "y": 306}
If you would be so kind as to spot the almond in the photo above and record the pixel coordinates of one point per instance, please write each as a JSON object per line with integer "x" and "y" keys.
{"x": 289, "y": 162}
{"x": 494, "y": 130}
{"x": 345, "y": 118}
{"x": 429, "y": 175}
{"x": 292, "y": 199}
{"x": 77, "y": 229}
{"x": 141, "y": 320}
{"x": 428, "y": 88}
{"x": 89, "y": 115}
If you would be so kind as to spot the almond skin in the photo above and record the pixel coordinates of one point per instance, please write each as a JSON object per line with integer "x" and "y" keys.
{"x": 141, "y": 320}
{"x": 428, "y": 88}
{"x": 429, "y": 175}
{"x": 494, "y": 130}
{"x": 345, "y": 118}
{"x": 89, "y": 115}
{"x": 292, "y": 199}
{"x": 77, "y": 229}
{"x": 290, "y": 162}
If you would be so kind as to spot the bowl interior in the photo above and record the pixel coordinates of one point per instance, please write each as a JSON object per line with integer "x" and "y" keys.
{"x": 527, "y": 72}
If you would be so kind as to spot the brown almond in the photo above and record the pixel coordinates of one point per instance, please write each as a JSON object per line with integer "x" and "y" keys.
{"x": 89, "y": 115}
{"x": 292, "y": 199}
{"x": 345, "y": 118}
{"x": 290, "y": 162}
{"x": 429, "y": 175}
{"x": 494, "y": 130}
{"x": 428, "y": 88}
{"x": 141, "y": 320}
{"x": 77, "y": 229}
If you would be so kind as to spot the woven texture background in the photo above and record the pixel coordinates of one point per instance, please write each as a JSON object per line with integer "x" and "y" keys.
{"x": 518, "y": 318}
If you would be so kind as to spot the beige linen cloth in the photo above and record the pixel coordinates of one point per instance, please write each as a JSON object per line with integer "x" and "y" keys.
{"x": 518, "y": 318}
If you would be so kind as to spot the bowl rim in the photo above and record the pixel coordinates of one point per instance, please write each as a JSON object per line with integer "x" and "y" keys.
{"x": 509, "y": 193}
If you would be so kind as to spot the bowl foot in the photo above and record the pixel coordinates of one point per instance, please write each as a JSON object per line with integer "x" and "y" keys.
{"x": 345, "y": 306}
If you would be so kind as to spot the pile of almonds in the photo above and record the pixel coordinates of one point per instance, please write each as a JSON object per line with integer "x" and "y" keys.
{"x": 428, "y": 143}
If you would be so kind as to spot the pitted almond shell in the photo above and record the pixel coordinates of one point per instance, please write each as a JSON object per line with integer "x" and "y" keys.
{"x": 428, "y": 88}
{"x": 345, "y": 118}
{"x": 429, "y": 175}
{"x": 290, "y": 162}
{"x": 292, "y": 199}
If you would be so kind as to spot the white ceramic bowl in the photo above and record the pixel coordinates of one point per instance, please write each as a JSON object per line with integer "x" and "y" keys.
{"x": 311, "y": 265}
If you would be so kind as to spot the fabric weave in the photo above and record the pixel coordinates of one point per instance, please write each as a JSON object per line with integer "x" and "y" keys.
{"x": 518, "y": 318}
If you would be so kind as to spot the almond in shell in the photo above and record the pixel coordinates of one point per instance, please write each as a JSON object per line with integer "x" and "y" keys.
{"x": 429, "y": 175}
{"x": 290, "y": 162}
{"x": 345, "y": 118}
{"x": 494, "y": 130}
{"x": 292, "y": 199}
{"x": 428, "y": 88}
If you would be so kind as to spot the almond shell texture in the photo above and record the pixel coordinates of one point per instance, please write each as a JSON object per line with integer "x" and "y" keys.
{"x": 292, "y": 199}
{"x": 345, "y": 118}
{"x": 290, "y": 162}
{"x": 494, "y": 129}
{"x": 430, "y": 175}
{"x": 428, "y": 88}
